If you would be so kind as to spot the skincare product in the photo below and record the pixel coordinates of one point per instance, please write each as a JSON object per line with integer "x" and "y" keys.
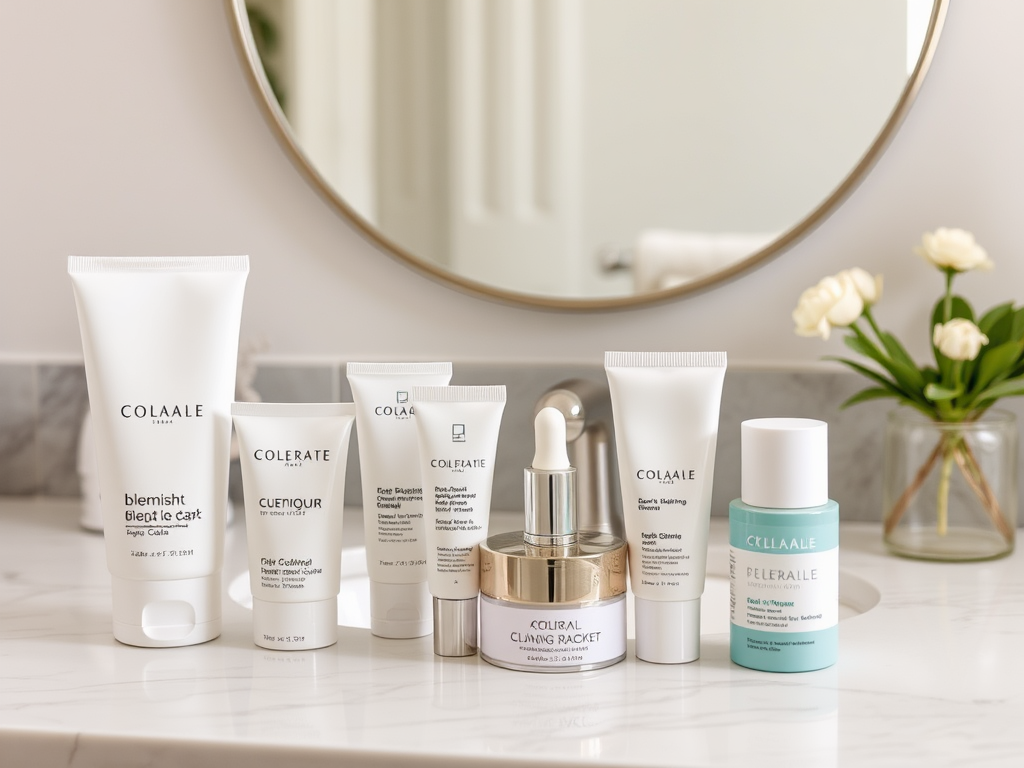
{"x": 665, "y": 409}
{"x": 293, "y": 458}
{"x": 458, "y": 431}
{"x": 389, "y": 465}
{"x": 160, "y": 339}
{"x": 784, "y": 549}
{"x": 552, "y": 599}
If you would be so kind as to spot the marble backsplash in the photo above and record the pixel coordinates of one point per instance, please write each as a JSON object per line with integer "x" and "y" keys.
{"x": 42, "y": 406}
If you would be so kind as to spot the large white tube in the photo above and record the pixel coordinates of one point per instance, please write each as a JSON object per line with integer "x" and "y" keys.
{"x": 160, "y": 339}
{"x": 458, "y": 437}
{"x": 293, "y": 470}
{"x": 389, "y": 466}
{"x": 665, "y": 407}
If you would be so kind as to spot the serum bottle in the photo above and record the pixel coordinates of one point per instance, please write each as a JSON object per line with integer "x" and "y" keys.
{"x": 784, "y": 549}
{"x": 553, "y": 599}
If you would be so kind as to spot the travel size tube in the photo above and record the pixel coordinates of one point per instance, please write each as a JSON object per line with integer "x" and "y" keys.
{"x": 293, "y": 459}
{"x": 389, "y": 465}
{"x": 160, "y": 340}
{"x": 665, "y": 408}
{"x": 458, "y": 437}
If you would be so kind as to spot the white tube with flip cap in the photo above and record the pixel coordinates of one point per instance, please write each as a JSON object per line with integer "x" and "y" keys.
{"x": 458, "y": 437}
{"x": 389, "y": 467}
{"x": 665, "y": 408}
{"x": 160, "y": 341}
{"x": 293, "y": 459}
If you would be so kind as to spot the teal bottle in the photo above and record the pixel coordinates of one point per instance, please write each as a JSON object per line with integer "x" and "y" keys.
{"x": 784, "y": 550}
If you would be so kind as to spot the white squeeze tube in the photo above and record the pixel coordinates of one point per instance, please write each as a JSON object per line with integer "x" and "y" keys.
{"x": 665, "y": 408}
{"x": 458, "y": 437}
{"x": 389, "y": 466}
{"x": 160, "y": 341}
{"x": 293, "y": 459}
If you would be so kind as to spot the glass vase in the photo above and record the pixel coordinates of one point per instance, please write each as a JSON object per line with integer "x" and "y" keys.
{"x": 949, "y": 489}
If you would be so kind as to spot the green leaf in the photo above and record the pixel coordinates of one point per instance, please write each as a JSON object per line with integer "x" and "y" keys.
{"x": 907, "y": 376}
{"x": 960, "y": 308}
{"x": 1006, "y": 388}
{"x": 872, "y": 393}
{"x": 899, "y": 354}
{"x": 1017, "y": 332}
{"x": 911, "y": 396}
{"x": 937, "y": 393}
{"x": 1000, "y": 330}
{"x": 993, "y": 316}
{"x": 997, "y": 362}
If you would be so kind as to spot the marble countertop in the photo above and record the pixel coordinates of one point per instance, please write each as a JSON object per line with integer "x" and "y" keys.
{"x": 930, "y": 674}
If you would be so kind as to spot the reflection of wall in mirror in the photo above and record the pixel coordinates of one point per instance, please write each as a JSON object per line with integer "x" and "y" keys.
{"x": 516, "y": 139}
{"x": 768, "y": 108}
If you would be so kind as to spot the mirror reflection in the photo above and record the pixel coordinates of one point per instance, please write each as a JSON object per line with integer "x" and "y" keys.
{"x": 586, "y": 149}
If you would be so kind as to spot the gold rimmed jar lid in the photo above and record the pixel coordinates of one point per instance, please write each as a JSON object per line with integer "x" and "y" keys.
{"x": 592, "y": 569}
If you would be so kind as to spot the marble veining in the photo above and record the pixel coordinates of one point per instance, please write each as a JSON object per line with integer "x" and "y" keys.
{"x": 930, "y": 676}
{"x": 17, "y": 429}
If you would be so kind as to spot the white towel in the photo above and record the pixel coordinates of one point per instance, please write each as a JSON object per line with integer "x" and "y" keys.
{"x": 665, "y": 258}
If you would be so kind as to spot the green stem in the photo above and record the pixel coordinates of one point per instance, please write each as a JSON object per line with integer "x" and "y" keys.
{"x": 948, "y": 457}
{"x": 947, "y": 309}
{"x": 871, "y": 321}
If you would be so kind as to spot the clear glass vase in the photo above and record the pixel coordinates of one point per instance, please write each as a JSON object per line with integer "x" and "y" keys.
{"x": 949, "y": 490}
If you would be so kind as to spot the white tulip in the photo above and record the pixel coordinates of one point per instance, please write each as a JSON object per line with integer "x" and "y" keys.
{"x": 953, "y": 249}
{"x": 869, "y": 288}
{"x": 835, "y": 301}
{"x": 959, "y": 339}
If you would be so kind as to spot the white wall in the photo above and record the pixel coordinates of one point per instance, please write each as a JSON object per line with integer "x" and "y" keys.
{"x": 129, "y": 128}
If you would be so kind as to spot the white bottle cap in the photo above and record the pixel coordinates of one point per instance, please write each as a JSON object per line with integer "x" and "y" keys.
{"x": 667, "y": 632}
{"x": 400, "y": 610}
{"x": 295, "y": 626}
{"x": 166, "y": 614}
{"x": 784, "y": 463}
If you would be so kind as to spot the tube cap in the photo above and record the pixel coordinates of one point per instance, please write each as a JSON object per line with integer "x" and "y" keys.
{"x": 295, "y": 626}
{"x": 400, "y": 610}
{"x": 455, "y": 627}
{"x": 166, "y": 614}
{"x": 784, "y": 463}
{"x": 667, "y": 632}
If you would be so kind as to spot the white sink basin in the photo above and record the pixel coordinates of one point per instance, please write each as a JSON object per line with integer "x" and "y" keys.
{"x": 856, "y": 596}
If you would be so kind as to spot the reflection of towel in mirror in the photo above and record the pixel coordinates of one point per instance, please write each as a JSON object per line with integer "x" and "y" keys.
{"x": 665, "y": 258}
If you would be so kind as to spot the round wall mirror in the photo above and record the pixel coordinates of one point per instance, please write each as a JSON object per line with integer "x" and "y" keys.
{"x": 584, "y": 154}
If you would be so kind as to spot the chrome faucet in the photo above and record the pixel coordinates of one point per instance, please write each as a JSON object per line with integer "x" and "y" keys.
{"x": 586, "y": 406}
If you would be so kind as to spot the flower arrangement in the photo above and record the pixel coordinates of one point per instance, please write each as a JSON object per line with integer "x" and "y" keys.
{"x": 977, "y": 360}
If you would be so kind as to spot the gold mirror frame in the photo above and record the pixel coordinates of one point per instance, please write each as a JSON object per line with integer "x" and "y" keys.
{"x": 272, "y": 110}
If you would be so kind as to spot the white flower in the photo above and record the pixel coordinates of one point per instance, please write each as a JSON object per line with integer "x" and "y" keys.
{"x": 959, "y": 339}
{"x": 953, "y": 249}
{"x": 869, "y": 288}
{"x": 835, "y": 301}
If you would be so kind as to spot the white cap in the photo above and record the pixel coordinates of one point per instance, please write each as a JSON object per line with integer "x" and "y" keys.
{"x": 667, "y": 632}
{"x": 784, "y": 463}
{"x": 166, "y": 614}
{"x": 295, "y": 626}
{"x": 400, "y": 610}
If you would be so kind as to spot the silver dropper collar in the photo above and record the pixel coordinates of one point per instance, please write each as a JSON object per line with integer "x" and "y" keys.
{"x": 550, "y": 491}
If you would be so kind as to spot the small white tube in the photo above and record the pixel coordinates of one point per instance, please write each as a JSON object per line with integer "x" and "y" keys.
{"x": 293, "y": 471}
{"x": 160, "y": 340}
{"x": 389, "y": 466}
{"x": 665, "y": 407}
{"x": 458, "y": 438}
